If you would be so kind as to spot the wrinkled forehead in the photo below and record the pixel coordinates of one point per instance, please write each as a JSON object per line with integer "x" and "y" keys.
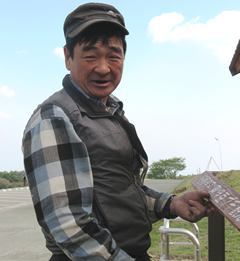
{"x": 112, "y": 42}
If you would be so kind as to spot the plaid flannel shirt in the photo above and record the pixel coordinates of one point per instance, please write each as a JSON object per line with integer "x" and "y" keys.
{"x": 61, "y": 183}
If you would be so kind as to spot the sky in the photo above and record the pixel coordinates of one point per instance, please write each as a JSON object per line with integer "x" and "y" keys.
{"x": 176, "y": 85}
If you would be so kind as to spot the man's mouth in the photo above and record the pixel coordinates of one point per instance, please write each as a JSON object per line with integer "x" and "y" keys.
{"x": 101, "y": 82}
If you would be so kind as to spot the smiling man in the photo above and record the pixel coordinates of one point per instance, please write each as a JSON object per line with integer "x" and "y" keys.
{"x": 83, "y": 157}
{"x": 98, "y": 67}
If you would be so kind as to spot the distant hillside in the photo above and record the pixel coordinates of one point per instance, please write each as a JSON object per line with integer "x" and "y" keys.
{"x": 231, "y": 178}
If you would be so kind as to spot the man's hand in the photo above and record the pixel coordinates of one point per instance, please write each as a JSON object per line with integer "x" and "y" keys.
{"x": 192, "y": 206}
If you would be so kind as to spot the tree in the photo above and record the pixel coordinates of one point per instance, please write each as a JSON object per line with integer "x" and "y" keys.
{"x": 166, "y": 169}
{"x": 8, "y": 181}
{"x": 4, "y": 183}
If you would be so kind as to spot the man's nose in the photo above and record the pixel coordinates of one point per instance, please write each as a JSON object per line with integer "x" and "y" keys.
{"x": 102, "y": 66}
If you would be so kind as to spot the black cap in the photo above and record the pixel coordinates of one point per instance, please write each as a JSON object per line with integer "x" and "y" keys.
{"x": 89, "y": 14}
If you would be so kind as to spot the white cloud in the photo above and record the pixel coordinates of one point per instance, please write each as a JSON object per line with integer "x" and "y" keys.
{"x": 4, "y": 115}
{"x": 5, "y": 91}
{"x": 59, "y": 52}
{"x": 219, "y": 34}
{"x": 22, "y": 52}
{"x": 160, "y": 27}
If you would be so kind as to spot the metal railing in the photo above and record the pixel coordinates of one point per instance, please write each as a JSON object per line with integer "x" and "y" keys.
{"x": 165, "y": 231}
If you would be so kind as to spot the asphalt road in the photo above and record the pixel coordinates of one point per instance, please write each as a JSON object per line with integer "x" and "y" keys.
{"x": 162, "y": 185}
{"x": 20, "y": 234}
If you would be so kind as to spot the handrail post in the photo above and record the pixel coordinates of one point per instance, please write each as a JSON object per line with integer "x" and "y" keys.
{"x": 216, "y": 237}
{"x": 165, "y": 231}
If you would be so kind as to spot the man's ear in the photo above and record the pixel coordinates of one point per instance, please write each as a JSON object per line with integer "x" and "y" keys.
{"x": 68, "y": 59}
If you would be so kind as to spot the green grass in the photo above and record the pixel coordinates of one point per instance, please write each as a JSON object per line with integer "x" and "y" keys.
{"x": 232, "y": 235}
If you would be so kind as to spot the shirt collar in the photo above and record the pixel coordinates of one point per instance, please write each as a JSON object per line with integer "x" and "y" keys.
{"x": 112, "y": 101}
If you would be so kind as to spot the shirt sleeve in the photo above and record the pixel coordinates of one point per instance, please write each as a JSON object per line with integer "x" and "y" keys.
{"x": 60, "y": 180}
{"x": 158, "y": 204}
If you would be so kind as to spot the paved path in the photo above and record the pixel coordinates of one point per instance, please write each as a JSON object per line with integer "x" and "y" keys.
{"x": 14, "y": 197}
{"x": 20, "y": 235}
{"x": 163, "y": 185}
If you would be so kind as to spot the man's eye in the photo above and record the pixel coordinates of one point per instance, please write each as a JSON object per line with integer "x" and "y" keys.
{"x": 90, "y": 57}
{"x": 114, "y": 57}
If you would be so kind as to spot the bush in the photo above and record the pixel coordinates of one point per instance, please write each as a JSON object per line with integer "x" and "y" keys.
{"x": 7, "y": 181}
{"x": 4, "y": 183}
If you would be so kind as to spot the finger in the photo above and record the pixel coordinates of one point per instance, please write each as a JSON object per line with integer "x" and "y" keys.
{"x": 203, "y": 194}
{"x": 210, "y": 212}
{"x": 198, "y": 210}
{"x": 195, "y": 215}
{"x": 197, "y": 205}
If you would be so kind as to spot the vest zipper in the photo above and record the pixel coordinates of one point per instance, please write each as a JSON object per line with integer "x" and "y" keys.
{"x": 133, "y": 176}
{"x": 99, "y": 212}
{"x": 143, "y": 198}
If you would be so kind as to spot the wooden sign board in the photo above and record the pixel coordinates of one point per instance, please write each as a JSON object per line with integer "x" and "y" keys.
{"x": 224, "y": 198}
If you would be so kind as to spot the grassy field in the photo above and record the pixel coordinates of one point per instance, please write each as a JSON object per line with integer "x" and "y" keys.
{"x": 232, "y": 235}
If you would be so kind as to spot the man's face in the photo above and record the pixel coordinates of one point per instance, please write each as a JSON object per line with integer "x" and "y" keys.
{"x": 97, "y": 68}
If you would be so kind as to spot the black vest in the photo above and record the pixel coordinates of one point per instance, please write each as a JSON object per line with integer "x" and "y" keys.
{"x": 111, "y": 141}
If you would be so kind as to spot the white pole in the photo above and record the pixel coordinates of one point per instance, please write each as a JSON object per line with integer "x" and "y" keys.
{"x": 220, "y": 156}
{"x": 220, "y": 153}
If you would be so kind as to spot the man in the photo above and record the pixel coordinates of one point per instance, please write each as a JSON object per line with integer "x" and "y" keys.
{"x": 83, "y": 158}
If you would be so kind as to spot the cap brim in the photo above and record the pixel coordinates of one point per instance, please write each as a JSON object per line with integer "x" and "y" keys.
{"x": 83, "y": 26}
